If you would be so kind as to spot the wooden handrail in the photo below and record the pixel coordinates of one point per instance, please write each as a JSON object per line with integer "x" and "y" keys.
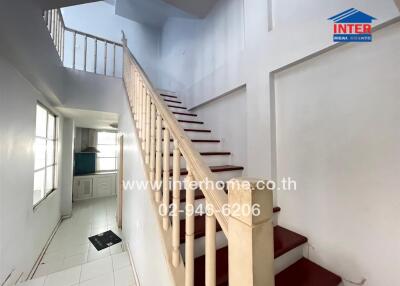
{"x": 93, "y": 36}
{"x": 200, "y": 171}
{"x": 55, "y": 23}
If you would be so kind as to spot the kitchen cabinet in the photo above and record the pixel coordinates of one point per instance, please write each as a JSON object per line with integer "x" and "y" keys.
{"x": 94, "y": 186}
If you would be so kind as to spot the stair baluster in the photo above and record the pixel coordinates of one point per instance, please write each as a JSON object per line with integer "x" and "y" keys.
{"x": 176, "y": 190}
{"x": 105, "y": 58}
{"x": 189, "y": 230}
{"x": 141, "y": 116}
{"x": 148, "y": 124}
{"x": 165, "y": 178}
{"x": 95, "y": 55}
{"x": 211, "y": 249}
{"x": 133, "y": 83}
{"x": 158, "y": 157}
{"x": 152, "y": 142}
{"x": 74, "y": 51}
{"x": 137, "y": 95}
{"x": 85, "y": 54}
{"x": 143, "y": 127}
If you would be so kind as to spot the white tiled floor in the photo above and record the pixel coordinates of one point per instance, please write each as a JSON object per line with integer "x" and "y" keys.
{"x": 72, "y": 260}
{"x": 114, "y": 270}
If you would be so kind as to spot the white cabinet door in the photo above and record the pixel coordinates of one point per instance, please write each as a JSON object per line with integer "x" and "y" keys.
{"x": 83, "y": 188}
{"x": 103, "y": 186}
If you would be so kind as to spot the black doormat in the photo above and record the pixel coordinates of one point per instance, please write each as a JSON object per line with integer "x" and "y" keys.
{"x": 104, "y": 240}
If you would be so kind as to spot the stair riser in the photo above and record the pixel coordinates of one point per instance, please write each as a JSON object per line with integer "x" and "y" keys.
{"x": 165, "y": 92}
{"x": 192, "y": 125}
{"x": 171, "y": 104}
{"x": 186, "y": 117}
{"x": 202, "y": 147}
{"x": 280, "y": 263}
{"x": 217, "y": 160}
{"x": 221, "y": 176}
{"x": 199, "y": 244}
{"x": 284, "y": 261}
{"x": 200, "y": 135}
{"x": 226, "y": 176}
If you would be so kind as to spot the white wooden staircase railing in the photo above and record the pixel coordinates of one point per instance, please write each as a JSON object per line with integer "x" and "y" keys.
{"x": 249, "y": 234}
{"x": 82, "y": 51}
{"x": 250, "y": 242}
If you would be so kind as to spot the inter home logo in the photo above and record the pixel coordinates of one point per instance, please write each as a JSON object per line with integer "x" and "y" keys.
{"x": 352, "y": 26}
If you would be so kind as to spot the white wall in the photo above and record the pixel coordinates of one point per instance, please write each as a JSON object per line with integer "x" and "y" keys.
{"x": 287, "y": 42}
{"x": 27, "y": 45}
{"x": 338, "y": 136}
{"x": 67, "y": 167}
{"x": 99, "y": 19}
{"x": 96, "y": 92}
{"x": 89, "y": 91}
{"x": 140, "y": 226}
{"x": 202, "y": 59}
{"x": 299, "y": 30}
{"x": 23, "y": 231}
{"x": 218, "y": 115}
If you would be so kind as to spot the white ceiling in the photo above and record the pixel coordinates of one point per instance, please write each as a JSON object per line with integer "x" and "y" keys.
{"x": 52, "y": 4}
{"x": 198, "y": 8}
{"x": 156, "y": 12}
{"x": 90, "y": 118}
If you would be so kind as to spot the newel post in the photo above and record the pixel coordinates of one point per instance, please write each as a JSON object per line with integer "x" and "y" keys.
{"x": 124, "y": 40}
{"x": 251, "y": 245}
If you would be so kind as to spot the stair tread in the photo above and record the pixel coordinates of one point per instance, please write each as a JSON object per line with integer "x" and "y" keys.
{"x": 190, "y": 121}
{"x": 184, "y": 113}
{"x": 215, "y": 169}
{"x": 174, "y": 106}
{"x": 195, "y": 130}
{"x": 306, "y": 273}
{"x": 206, "y": 140}
{"x": 200, "y": 227}
{"x": 173, "y": 101}
{"x": 167, "y": 95}
{"x": 302, "y": 273}
{"x": 201, "y": 140}
{"x": 285, "y": 238}
{"x": 210, "y": 153}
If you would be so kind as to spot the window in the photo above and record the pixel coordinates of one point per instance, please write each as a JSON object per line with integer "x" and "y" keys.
{"x": 45, "y": 154}
{"x": 107, "y": 146}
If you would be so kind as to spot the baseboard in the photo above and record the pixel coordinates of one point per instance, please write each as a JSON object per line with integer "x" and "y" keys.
{"x": 135, "y": 275}
{"x": 46, "y": 246}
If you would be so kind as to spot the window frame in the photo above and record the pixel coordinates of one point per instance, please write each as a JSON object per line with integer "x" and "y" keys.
{"x": 115, "y": 157}
{"x": 55, "y": 162}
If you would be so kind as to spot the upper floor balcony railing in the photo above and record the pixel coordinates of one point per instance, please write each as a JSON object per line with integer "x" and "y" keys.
{"x": 82, "y": 51}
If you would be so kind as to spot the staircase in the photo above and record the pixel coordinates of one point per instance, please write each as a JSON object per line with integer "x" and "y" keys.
{"x": 302, "y": 272}
{"x": 200, "y": 241}
{"x": 202, "y": 247}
